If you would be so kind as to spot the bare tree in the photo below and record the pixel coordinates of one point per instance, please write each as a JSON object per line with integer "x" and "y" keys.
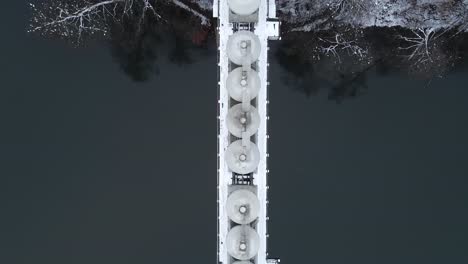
{"x": 462, "y": 22}
{"x": 339, "y": 44}
{"x": 428, "y": 51}
{"x": 349, "y": 7}
{"x": 419, "y": 44}
{"x": 73, "y": 19}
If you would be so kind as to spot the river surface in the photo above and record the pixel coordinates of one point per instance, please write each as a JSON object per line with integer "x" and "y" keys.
{"x": 97, "y": 168}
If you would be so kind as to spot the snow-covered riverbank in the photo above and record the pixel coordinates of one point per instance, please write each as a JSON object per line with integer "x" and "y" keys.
{"x": 313, "y": 15}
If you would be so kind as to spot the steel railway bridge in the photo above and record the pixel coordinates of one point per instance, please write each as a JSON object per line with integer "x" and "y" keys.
{"x": 243, "y": 30}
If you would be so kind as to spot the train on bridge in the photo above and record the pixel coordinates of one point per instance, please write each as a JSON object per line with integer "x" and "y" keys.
{"x": 243, "y": 30}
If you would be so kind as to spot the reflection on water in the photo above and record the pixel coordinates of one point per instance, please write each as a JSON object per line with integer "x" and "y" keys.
{"x": 342, "y": 80}
{"x": 342, "y": 72}
{"x": 137, "y": 46}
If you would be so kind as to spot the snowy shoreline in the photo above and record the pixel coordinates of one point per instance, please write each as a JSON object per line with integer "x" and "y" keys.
{"x": 316, "y": 15}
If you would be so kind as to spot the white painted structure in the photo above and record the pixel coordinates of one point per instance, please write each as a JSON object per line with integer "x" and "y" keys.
{"x": 244, "y": 28}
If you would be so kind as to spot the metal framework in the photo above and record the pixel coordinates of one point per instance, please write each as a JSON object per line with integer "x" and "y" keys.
{"x": 265, "y": 25}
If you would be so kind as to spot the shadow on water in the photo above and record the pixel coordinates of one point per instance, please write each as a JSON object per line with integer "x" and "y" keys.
{"x": 344, "y": 75}
{"x": 309, "y": 72}
{"x": 340, "y": 80}
{"x": 136, "y": 48}
{"x": 143, "y": 49}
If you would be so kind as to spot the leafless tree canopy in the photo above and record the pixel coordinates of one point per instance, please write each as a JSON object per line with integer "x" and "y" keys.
{"x": 334, "y": 46}
{"x": 349, "y": 6}
{"x": 419, "y": 44}
{"x": 75, "y": 19}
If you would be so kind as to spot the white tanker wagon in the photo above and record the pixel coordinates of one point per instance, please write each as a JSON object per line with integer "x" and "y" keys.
{"x": 244, "y": 28}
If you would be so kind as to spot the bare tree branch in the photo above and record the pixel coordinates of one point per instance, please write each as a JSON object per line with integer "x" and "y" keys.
{"x": 74, "y": 18}
{"x": 419, "y": 44}
{"x": 204, "y": 20}
{"x": 353, "y": 7}
{"x": 337, "y": 44}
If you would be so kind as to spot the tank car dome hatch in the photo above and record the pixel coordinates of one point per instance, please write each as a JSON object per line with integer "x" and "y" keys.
{"x": 239, "y": 81}
{"x": 242, "y": 242}
{"x": 244, "y": 7}
{"x": 243, "y": 45}
{"x": 242, "y": 207}
{"x": 240, "y": 159}
{"x": 239, "y": 121}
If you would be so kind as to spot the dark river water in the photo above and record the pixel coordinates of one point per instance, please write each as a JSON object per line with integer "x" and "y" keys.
{"x": 97, "y": 168}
